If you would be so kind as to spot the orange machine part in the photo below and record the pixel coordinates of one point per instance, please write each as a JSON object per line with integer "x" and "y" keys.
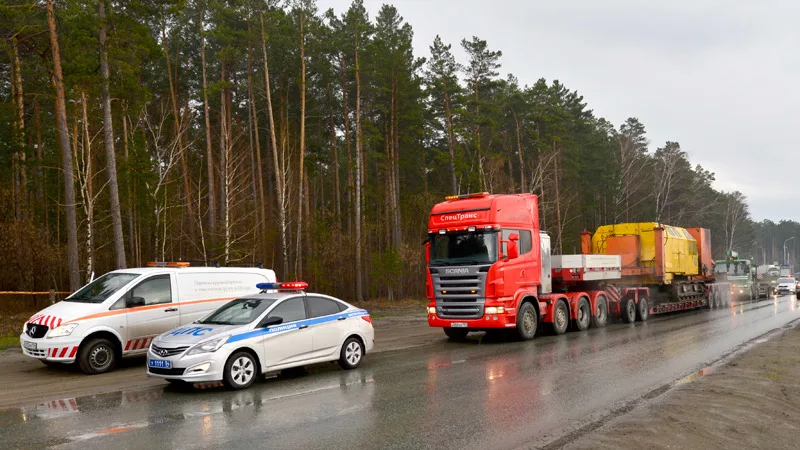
{"x": 586, "y": 242}
{"x": 704, "y": 258}
{"x": 628, "y": 248}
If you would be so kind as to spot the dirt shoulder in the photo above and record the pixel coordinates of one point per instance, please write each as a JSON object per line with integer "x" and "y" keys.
{"x": 751, "y": 402}
{"x": 27, "y": 381}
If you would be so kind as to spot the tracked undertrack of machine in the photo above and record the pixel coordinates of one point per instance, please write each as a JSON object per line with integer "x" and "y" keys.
{"x": 681, "y": 291}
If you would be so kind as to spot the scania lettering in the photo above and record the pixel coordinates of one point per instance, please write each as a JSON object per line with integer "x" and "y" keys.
{"x": 118, "y": 314}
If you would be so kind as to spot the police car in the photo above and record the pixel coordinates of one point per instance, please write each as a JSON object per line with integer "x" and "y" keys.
{"x": 279, "y": 328}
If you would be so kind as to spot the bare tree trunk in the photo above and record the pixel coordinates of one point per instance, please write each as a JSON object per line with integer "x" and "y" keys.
{"x": 301, "y": 171}
{"x": 347, "y": 142}
{"x": 359, "y": 177}
{"x": 87, "y": 188}
{"x": 187, "y": 185}
{"x": 523, "y": 184}
{"x": 129, "y": 205}
{"x": 111, "y": 156}
{"x": 66, "y": 154}
{"x": 212, "y": 200}
{"x": 451, "y": 141}
{"x": 259, "y": 167}
{"x": 19, "y": 134}
{"x": 277, "y": 168}
{"x": 335, "y": 152}
{"x": 559, "y": 225}
{"x": 40, "y": 180}
{"x": 396, "y": 214}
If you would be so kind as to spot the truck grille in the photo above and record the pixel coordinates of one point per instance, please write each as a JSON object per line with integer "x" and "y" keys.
{"x": 459, "y": 291}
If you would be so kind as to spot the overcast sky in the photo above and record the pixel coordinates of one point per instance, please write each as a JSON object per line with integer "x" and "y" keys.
{"x": 722, "y": 78}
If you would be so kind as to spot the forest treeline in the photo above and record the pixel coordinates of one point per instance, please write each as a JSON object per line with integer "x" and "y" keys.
{"x": 314, "y": 142}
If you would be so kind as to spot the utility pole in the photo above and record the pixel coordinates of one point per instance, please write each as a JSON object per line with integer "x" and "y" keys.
{"x": 784, "y": 249}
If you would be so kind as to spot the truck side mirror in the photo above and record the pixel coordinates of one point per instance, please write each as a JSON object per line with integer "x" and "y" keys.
{"x": 513, "y": 248}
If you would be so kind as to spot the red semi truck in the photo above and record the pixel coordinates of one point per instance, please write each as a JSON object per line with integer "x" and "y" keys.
{"x": 490, "y": 269}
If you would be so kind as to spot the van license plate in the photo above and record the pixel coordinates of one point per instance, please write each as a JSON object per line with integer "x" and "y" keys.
{"x": 29, "y": 345}
{"x": 160, "y": 364}
{"x": 458, "y": 325}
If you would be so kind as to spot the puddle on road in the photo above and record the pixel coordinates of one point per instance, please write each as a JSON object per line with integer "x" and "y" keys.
{"x": 695, "y": 376}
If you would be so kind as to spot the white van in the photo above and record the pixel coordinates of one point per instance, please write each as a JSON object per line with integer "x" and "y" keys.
{"x": 119, "y": 314}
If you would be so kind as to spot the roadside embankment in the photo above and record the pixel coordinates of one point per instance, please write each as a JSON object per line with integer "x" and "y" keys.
{"x": 751, "y": 402}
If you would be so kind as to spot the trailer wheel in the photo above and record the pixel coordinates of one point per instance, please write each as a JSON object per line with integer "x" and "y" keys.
{"x": 456, "y": 334}
{"x": 642, "y": 310}
{"x": 584, "y": 314}
{"x": 560, "y": 317}
{"x": 527, "y": 322}
{"x": 628, "y": 310}
{"x": 601, "y": 313}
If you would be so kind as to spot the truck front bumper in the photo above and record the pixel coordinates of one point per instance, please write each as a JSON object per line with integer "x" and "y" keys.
{"x": 493, "y": 321}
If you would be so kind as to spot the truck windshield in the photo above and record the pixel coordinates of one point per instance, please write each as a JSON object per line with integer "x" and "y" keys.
{"x": 463, "y": 248}
{"x": 732, "y": 267}
{"x": 102, "y": 288}
{"x": 239, "y": 312}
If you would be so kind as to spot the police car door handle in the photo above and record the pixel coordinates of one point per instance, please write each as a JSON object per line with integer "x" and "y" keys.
{"x": 342, "y": 318}
{"x": 303, "y": 327}
{"x": 170, "y": 309}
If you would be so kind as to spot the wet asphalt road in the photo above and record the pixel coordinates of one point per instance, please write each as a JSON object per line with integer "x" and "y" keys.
{"x": 445, "y": 395}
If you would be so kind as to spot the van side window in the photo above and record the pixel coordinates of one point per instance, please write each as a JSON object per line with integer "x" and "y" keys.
{"x": 524, "y": 244}
{"x": 155, "y": 290}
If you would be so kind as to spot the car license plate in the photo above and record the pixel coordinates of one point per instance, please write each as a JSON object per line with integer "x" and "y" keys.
{"x": 29, "y": 345}
{"x": 458, "y": 325}
{"x": 160, "y": 364}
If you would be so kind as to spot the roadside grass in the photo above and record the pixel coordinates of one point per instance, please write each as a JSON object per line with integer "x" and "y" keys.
{"x": 379, "y": 308}
{"x": 8, "y": 341}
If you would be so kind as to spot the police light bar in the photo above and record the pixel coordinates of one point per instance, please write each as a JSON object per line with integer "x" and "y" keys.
{"x": 285, "y": 286}
{"x": 463, "y": 196}
{"x": 169, "y": 264}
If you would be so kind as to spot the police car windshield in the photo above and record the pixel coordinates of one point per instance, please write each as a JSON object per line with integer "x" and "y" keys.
{"x": 239, "y": 312}
{"x": 786, "y": 280}
{"x": 102, "y": 288}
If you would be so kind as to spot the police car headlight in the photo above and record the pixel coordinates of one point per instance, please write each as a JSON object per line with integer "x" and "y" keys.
{"x": 207, "y": 346}
{"x": 63, "y": 330}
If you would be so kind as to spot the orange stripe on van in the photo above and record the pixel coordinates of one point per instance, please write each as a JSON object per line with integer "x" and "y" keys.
{"x": 148, "y": 307}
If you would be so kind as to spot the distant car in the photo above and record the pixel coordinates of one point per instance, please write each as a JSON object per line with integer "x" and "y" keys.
{"x": 786, "y": 285}
{"x": 260, "y": 333}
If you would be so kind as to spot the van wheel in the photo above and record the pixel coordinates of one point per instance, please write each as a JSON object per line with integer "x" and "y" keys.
{"x": 97, "y": 356}
{"x": 240, "y": 371}
{"x": 527, "y": 322}
{"x": 352, "y": 353}
{"x": 600, "y": 318}
{"x": 584, "y": 314}
{"x": 560, "y": 318}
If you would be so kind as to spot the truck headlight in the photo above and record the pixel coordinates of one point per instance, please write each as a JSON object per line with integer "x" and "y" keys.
{"x": 207, "y": 346}
{"x": 495, "y": 310}
{"x": 63, "y": 330}
{"x": 432, "y": 310}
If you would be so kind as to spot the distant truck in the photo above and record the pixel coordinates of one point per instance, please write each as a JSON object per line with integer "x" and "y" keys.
{"x": 767, "y": 279}
{"x": 786, "y": 270}
{"x": 739, "y": 273}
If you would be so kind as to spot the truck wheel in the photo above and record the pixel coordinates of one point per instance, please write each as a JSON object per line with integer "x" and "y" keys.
{"x": 240, "y": 371}
{"x": 584, "y": 315}
{"x": 527, "y": 322}
{"x": 600, "y": 318}
{"x": 456, "y": 334}
{"x": 97, "y": 356}
{"x": 643, "y": 310}
{"x": 628, "y": 310}
{"x": 560, "y": 317}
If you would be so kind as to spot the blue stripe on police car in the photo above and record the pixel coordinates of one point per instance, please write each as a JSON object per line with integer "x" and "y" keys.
{"x": 294, "y": 325}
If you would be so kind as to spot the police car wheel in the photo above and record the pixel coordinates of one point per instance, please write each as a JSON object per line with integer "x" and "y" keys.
{"x": 240, "y": 370}
{"x": 352, "y": 353}
{"x": 97, "y": 356}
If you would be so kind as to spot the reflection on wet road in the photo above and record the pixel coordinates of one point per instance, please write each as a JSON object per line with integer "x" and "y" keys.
{"x": 477, "y": 394}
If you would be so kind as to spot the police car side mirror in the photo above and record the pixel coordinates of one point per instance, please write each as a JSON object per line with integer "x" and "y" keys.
{"x": 134, "y": 302}
{"x": 270, "y": 321}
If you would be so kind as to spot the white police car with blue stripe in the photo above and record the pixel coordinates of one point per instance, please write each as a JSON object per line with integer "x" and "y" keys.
{"x": 280, "y": 328}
